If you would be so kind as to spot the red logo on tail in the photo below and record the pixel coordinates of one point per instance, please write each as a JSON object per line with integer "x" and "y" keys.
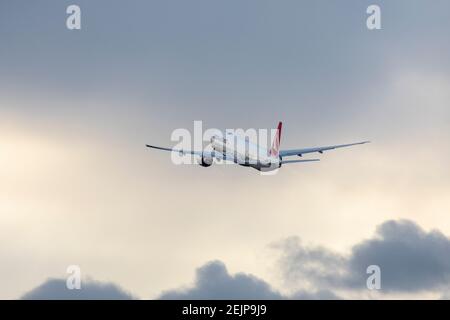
{"x": 274, "y": 151}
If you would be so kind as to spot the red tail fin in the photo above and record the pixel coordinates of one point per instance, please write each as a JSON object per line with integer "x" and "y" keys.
{"x": 274, "y": 151}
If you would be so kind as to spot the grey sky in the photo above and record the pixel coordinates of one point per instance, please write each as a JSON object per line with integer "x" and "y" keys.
{"x": 77, "y": 107}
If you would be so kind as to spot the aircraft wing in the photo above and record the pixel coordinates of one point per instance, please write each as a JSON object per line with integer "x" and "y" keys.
{"x": 299, "y": 152}
{"x": 181, "y": 151}
{"x": 206, "y": 153}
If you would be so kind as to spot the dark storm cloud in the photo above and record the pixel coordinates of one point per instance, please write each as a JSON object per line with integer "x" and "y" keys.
{"x": 410, "y": 259}
{"x": 55, "y": 289}
{"x": 213, "y": 281}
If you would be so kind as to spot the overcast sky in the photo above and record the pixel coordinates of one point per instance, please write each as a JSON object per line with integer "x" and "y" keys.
{"x": 77, "y": 185}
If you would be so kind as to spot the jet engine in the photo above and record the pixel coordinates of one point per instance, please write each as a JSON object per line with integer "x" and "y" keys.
{"x": 205, "y": 160}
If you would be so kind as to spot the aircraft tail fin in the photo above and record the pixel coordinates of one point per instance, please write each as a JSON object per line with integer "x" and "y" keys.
{"x": 274, "y": 151}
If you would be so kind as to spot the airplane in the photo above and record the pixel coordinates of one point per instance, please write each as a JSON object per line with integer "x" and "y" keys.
{"x": 240, "y": 151}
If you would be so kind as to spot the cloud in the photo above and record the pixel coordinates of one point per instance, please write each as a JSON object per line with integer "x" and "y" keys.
{"x": 410, "y": 259}
{"x": 55, "y": 289}
{"x": 212, "y": 281}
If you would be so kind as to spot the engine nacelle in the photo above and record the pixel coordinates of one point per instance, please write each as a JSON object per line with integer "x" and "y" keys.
{"x": 205, "y": 160}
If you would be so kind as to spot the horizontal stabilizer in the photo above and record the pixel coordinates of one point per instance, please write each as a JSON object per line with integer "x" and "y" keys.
{"x": 295, "y": 161}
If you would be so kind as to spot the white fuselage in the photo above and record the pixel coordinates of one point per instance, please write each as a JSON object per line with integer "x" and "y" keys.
{"x": 243, "y": 152}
